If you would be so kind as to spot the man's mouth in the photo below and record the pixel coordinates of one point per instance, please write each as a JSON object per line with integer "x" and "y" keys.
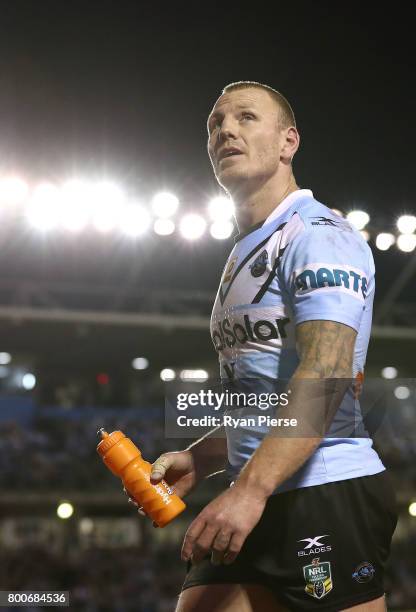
{"x": 228, "y": 153}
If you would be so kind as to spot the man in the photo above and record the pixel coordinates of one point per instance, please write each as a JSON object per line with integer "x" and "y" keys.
{"x": 308, "y": 520}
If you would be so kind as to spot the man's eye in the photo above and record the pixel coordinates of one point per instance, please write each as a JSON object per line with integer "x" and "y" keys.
{"x": 247, "y": 116}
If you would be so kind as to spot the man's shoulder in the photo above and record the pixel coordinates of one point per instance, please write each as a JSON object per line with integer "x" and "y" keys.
{"x": 315, "y": 215}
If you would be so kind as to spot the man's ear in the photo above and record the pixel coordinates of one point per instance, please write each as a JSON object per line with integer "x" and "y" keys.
{"x": 291, "y": 142}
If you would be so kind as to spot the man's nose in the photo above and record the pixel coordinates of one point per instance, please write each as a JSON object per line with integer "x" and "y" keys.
{"x": 229, "y": 129}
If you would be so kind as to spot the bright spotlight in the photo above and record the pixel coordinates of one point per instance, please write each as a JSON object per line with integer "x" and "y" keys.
{"x": 167, "y": 374}
{"x": 86, "y": 526}
{"x": 43, "y": 208}
{"x": 358, "y": 218}
{"x": 165, "y": 204}
{"x": 199, "y": 375}
{"x": 412, "y": 509}
{"x": 164, "y": 227}
{"x": 389, "y": 372}
{"x": 402, "y": 393}
{"x": 406, "y": 224}
{"x": 107, "y": 201}
{"x": 76, "y": 205}
{"x": 140, "y": 363}
{"x": 221, "y": 229}
{"x": 13, "y": 190}
{"x": 134, "y": 220}
{"x": 384, "y": 241}
{"x": 192, "y": 226}
{"x": 221, "y": 208}
{"x": 28, "y": 381}
{"x": 406, "y": 242}
{"x": 5, "y": 358}
{"x": 65, "y": 510}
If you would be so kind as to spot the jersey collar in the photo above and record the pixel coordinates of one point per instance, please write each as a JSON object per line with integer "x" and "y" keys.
{"x": 287, "y": 202}
{"x": 275, "y": 214}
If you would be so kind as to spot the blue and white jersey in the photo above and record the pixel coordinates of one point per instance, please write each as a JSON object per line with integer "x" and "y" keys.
{"x": 303, "y": 263}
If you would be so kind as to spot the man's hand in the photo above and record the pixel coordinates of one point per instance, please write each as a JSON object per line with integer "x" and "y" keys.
{"x": 223, "y": 526}
{"x": 178, "y": 470}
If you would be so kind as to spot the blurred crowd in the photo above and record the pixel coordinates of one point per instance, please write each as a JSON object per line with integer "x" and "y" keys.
{"x": 124, "y": 580}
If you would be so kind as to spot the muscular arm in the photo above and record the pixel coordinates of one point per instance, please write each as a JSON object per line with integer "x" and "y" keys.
{"x": 325, "y": 349}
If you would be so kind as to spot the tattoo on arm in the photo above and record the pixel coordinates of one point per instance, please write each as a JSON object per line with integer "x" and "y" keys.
{"x": 325, "y": 349}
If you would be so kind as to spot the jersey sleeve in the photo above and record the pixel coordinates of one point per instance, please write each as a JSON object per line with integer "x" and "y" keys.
{"x": 327, "y": 274}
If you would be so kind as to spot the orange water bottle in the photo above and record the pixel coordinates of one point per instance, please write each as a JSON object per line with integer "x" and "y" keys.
{"x": 125, "y": 460}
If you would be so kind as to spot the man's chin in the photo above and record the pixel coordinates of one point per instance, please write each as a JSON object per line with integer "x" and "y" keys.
{"x": 231, "y": 178}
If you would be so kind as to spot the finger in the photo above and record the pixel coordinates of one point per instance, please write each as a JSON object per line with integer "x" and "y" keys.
{"x": 160, "y": 467}
{"x": 219, "y": 547}
{"x": 233, "y": 549}
{"x": 203, "y": 544}
{"x": 133, "y": 502}
{"x": 192, "y": 534}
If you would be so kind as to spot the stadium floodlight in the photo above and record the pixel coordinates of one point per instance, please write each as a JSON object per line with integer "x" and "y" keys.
{"x": 384, "y": 241}
{"x": 107, "y": 203}
{"x": 28, "y": 381}
{"x": 164, "y": 227}
{"x": 86, "y": 525}
{"x": 412, "y": 509}
{"x": 220, "y": 230}
{"x": 134, "y": 220}
{"x": 5, "y": 358}
{"x": 221, "y": 208}
{"x": 198, "y": 375}
{"x": 140, "y": 363}
{"x": 13, "y": 190}
{"x": 65, "y": 510}
{"x": 167, "y": 374}
{"x": 358, "y": 218}
{"x": 192, "y": 226}
{"x": 76, "y": 205}
{"x": 165, "y": 204}
{"x": 406, "y": 242}
{"x": 402, "y": 392}
{"x": 389, "y": 372}
{"x": 43, "y": 208}
{"x": 406, "y": 224}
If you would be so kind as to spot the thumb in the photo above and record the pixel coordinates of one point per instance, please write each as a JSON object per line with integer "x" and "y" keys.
{"x": 160, "y": 466}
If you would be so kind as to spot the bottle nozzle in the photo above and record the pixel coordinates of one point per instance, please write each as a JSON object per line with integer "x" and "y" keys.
{"x": 102, "y": 432}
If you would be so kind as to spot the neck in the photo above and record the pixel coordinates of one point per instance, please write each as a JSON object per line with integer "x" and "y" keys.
{"x": 257, "y": 205}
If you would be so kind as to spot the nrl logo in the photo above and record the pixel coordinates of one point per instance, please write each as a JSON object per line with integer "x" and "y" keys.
{"x": 318, "y": 578}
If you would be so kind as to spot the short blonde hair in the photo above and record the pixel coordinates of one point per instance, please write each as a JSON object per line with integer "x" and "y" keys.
{"x": 286, "y": 115}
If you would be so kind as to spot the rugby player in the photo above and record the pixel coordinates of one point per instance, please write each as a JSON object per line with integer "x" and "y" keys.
{"x": 307, "y": 521}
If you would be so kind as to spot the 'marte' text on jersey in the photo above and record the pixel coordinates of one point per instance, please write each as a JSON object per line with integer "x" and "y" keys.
{"x": 303, "y": 263}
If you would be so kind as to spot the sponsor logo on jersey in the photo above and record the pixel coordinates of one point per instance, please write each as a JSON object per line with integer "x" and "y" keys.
{"x": 229, "y": 270}
{"x": 228, "y": 334}
{"x": 364, "y": 572}
{"x": 258, "y": 267}
{"x": 314, "y": 546}
{"x": 326, "y": 275}
{"x": 318, "y": 578}
{"x": 338, "y": 223}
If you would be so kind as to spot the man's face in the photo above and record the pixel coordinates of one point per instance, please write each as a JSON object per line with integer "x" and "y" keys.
{"x": 244, "y": 140}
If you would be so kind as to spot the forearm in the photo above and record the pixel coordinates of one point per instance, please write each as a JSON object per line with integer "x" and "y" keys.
{"x": 210, "y": 452}
{"x": 316, "y": 392}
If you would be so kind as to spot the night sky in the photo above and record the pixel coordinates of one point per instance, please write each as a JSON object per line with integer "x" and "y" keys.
{"x": 122, "y": 89}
